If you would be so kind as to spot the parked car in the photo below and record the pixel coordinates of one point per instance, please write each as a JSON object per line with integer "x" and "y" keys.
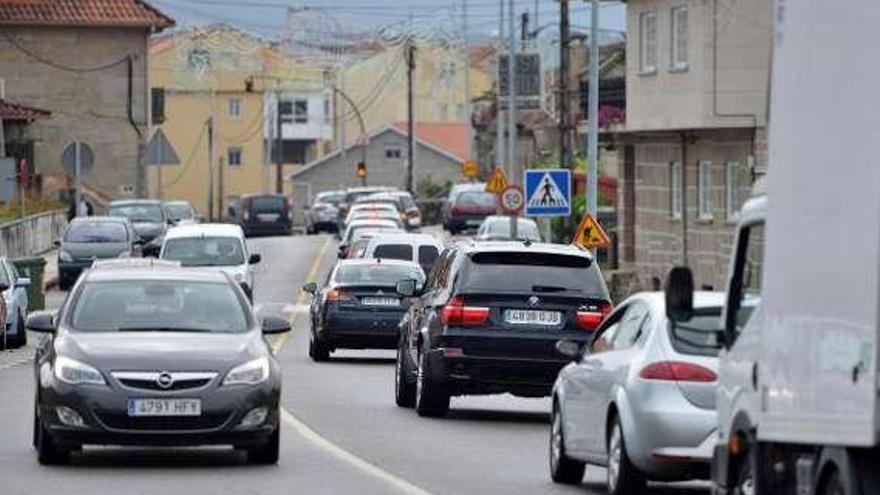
{"x": 410, "y": 213}
{"x": 262, "y": 214}
{"x": 423, "y": 249}
{"x": 321, "y": 216}
{"x": 359, "y": 228}
{"x": 87, "y": 239}
{"x": 358, "y": 306}
{"x": 351, "y": 195}
{"x": 180, "y": 212}
{"x": 454, "y": 192}
{"x": 15, "y": 298}
{"x": 640, "y": 398}
{"x": 467, "y": 209}
{"x": 497, "y": 228}
{"x": 155, "y": 355}
{"x": 148, "y": 218}
{"x": 213, "y": 246}
{"x": 488, "y": 320}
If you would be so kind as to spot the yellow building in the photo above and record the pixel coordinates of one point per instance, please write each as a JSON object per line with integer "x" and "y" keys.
{"x": 220, "y": 96}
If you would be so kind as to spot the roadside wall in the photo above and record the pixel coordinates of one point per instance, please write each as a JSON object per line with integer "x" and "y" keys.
{"x": 33, "y": 235}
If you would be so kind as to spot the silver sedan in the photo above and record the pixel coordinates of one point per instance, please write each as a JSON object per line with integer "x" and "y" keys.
{"x": 640, "y": 399}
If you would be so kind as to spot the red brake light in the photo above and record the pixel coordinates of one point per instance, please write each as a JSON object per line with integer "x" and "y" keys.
{"x": 336, "y": 295}
{"x": 678, "y": 371}
{"x": 591, "y": 319}
{"x": 457, "y": 314}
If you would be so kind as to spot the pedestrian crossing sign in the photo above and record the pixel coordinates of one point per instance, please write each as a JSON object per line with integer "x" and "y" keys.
{"x": 497, "y": 181}
{"x": 590, "y": 234}
{"x": 548, "y": 193}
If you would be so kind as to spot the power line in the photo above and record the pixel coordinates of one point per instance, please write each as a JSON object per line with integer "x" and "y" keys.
{"x": 51, "y": 63}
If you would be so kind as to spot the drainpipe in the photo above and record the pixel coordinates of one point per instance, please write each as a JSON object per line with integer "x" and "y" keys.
{"x": 684, "y": 203}
{"x": 140, "y": 171}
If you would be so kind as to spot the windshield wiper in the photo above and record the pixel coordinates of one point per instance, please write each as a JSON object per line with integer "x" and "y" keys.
{"x": 548, "y": 288}
{"x": 162, "y": 329}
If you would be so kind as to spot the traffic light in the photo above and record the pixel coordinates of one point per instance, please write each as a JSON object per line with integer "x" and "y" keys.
{"x": 362, "y": 170}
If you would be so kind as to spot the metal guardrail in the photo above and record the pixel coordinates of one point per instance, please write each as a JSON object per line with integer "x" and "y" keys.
{"x": 32, "y": 235}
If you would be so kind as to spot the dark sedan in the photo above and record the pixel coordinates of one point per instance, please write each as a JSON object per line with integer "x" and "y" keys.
{"x": 87, "y": 239}
{"x": 489, "y": 318}
{"x": 358, "y": 307}
{"x": 149, "y": 220}
{"x": 147, "y": 353}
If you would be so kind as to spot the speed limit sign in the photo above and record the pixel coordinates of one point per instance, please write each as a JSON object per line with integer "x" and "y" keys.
{"x": 512, "y": 199}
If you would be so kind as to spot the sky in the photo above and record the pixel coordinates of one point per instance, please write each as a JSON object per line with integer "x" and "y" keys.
{"x": 266, "y": 17}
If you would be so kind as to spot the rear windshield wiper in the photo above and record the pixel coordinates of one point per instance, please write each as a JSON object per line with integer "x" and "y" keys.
{"x": 163, "y": 329}
{"x": 548, "y": 288}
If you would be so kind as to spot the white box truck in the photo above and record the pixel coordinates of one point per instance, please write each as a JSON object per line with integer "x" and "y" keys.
{"x": 798, "y": 377}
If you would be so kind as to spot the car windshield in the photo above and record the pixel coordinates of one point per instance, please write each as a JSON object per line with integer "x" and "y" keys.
{"x": 700, "y": 335}
{"x": 158, "y": 305}
{"x": 376, "y": 274}
{"x": 522, "y": 272}
{"x": 96, "y": 232}
{"x": 138, "y": 213}
{"x": 204, "y": 251}
{"x": 408, "y": 202}
{"x": 476, "y": 198}
{"x": 334, "y": 198}
{"x": 525, "y": 229}
{"x": 179, "y": 212}
{"x": 394, "y": 251}
{"x": 268, "y": 203}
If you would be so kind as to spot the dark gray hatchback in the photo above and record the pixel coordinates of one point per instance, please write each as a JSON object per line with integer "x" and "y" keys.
{"x": 145, "y": 353}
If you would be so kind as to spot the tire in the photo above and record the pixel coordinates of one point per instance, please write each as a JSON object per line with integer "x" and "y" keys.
{"x": 833, "y": 485}
{"x": 623, "y": 477}
{"x": 432, "y": 400}
{"x": 21, "y": 333}
{"x": 563, "y": 469}
{"x": 745, "y": 483}
{"x": 48, "y": 453}
{"x": 404, "y": 391}
{"x": 267, "y": 453}
{"x": 318, "y": 351}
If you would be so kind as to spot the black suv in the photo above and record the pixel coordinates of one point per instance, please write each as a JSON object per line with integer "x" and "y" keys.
{"x": 489, "y": 318}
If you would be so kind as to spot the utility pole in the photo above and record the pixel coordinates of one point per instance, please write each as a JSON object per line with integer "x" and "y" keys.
{"x": 593, "y": 118}
{"x": 211, "y": 168}
{"x": 566, "y": 157}
{"x": 279, "y": 159}
{"x": 221, "y": 191}
{"x": 342, "y": 120}
{"x": 2, "y": 130}
{"x": 499, "y": 114}
{"x": 513, "y": 165}
{"x": 410, "y": 124}
{"x": 467, "y": 79}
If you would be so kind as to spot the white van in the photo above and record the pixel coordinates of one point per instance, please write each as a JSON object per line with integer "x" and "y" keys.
{"x": 423, "y": 249}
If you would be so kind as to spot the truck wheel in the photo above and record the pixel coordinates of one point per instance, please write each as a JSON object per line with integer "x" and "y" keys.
{"x": 833, "y": 486}
{"x": 431, "y": 399}
{"x": 563, "y": 469}
{"x": 623, "y": 477}
{"x": 745, "y": 474}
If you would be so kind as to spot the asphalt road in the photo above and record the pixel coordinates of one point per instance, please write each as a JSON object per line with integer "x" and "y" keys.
{"x": 341, "y": 433}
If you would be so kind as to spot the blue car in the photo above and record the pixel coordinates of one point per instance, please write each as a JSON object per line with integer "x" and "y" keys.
{"x": 16, "y": 298}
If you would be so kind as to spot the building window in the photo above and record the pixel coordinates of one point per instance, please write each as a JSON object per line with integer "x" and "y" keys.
{"x": 157, "y": 105}
{"x": 704, "y": 190}
{"x": 679, "y": 49}
{"x": 675, "y": 190}
{"x": 648, "y": 42}
{"x": 234, "y": 108}
{"x": 285, "y": 111}
{"x": 233, "y": 157}
{"x": 327, "y": 118}
{"x": 301, "y": 111}
{"x": 392, "y": 153}
{"x": 731, "y": 186}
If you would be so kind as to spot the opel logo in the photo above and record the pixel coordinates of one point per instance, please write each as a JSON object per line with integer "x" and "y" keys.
{"x": 534, "y": 301}
{"x": 165, "y": 380}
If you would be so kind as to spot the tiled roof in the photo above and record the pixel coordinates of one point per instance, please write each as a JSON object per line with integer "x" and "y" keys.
{"x": 99, "y": 13}
{"x": 12, "y": 111}
{"x": 452, "y": 138}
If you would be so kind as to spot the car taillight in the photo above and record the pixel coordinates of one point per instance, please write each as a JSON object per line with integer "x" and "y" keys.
{"x": 677, "y": 371}
{"x": 338, "y": 296}
{"x": 455, "y": 313}
{"x": 246, "y": 216}
{"x": 413, "y": 213}
{"x": 290, "y": 208}
{"x": 590, "y": 318}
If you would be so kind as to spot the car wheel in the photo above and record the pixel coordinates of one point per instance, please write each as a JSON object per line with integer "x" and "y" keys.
{"x": 623, "y": 477}
{"x": 563, "y": 469}
{"x": 63, "y": 283}
{"x": 745, "y": 474}
{"x": 318, "y": 351}
{"x": 431, "y": 399}
{"x": 48, "y": 453}
{"x": 268, "y": 452}
{"x": 404, "y": 391}
{"x": 20, "y": 332}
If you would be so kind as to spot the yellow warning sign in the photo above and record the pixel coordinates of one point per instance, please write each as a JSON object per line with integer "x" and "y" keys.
{"x": 470, "y": 169}
{"x": 497, "y": 181}
{"x": 590, "y": 234}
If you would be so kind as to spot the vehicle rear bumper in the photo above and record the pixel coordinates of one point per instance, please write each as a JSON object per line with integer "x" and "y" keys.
{"x": 325, "y": 225}
{"x": 459, "y": 222}
{"x": 361, "y": 330}
{"x": 481, "y": 375}
{"x": 257, "y": 228}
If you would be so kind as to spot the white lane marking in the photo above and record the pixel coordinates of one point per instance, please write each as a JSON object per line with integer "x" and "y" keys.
{"x": 295, "y": 308}
{"x": 310, "y": 277}
{"x": 311, "y": 435}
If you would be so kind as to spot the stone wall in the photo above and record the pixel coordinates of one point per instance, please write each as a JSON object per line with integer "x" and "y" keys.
{"x": 33, "y": 235}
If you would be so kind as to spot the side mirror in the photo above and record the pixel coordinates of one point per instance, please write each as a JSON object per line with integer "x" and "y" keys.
{"x": 41, "y": 321}
{"x": 254, "y": 259}
{"x": 680, "y": 294}
{"x": 342, "y": 251}
{"x": 3, "y": 287}
{"x": 569, "y": 349}
{"x": 408, "y": 288}
{"x": 23, "y": 282}
{"x": 273, "y": 325}
{"x": 56, "y": 243}
{"x": 310, "y": 287}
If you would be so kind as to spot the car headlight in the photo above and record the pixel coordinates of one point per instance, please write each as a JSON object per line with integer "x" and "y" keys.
{"x": 75, "y": 372}
{"x": 238, "y": 277}
{"x": 65, "y": 256}
{"x": 249, "y": 373}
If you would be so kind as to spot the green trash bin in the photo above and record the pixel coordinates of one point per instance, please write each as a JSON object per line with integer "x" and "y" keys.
{"x": 33, "y": 269}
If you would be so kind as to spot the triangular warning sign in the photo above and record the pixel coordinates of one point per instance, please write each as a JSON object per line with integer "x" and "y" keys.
{"x": 590, "y": 234}
{"x": 497, "y": 181}
{"x": 160, "y": 151}
{"x": 547, "y": 194}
